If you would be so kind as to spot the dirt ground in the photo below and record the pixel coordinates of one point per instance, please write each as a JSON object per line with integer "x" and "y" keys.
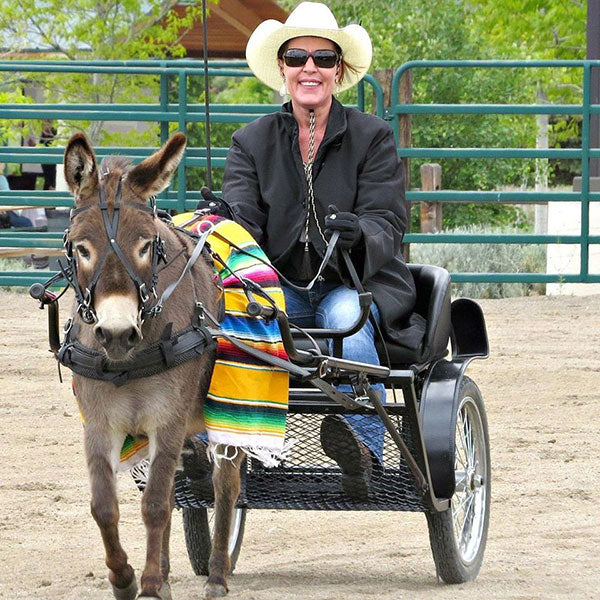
{"x": 541, "y": 390}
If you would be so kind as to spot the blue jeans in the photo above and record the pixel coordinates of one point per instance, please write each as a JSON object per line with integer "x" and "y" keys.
{"x": 334, "y": 306}
{"x": 17, "y": 220}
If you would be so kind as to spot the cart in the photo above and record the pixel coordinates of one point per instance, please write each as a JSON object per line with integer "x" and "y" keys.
{"x": 436, "y": 448}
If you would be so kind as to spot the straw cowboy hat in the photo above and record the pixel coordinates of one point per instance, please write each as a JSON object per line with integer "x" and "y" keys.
{"x": 308, "y": 19}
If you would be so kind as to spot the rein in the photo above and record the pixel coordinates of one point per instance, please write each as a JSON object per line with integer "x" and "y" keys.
{"x": 171, "y": 349}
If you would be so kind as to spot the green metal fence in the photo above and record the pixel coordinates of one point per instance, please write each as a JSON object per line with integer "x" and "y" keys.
{"x": 175, "y": 75}
{"x": 585, "y": 109}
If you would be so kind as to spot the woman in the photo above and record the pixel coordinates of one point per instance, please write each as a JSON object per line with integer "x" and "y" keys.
{"x": 285, "y": 169}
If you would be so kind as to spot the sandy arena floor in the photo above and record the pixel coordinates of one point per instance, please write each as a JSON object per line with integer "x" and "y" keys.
{"x": 541, "y": 391}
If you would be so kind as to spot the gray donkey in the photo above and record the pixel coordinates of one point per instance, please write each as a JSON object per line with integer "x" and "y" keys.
{"x": 117, "y": 274}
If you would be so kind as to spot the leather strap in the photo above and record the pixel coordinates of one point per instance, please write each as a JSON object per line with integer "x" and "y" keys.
{"x": 161, "y": 356}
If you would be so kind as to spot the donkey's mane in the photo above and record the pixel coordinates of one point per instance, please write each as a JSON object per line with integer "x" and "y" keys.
{"x": 111, "y": 170}
{"x": 113, "y": 163}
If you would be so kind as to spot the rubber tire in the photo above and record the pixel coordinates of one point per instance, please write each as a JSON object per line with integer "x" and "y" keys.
{"x": 198, "y": 539}
{"x": 449, "y": 564}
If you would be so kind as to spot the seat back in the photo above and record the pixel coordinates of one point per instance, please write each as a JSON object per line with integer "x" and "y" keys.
{"x": 433, "y": 304}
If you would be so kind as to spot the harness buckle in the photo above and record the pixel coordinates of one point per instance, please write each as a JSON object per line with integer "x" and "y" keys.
{"x": 87, "y": 313}
{"x": 68, "y": 326}
{"x": 323, "y": 369}
{"x": 144, "y": 296}
{"x": 159, "y": 249}
{"x": 198, "y": 318}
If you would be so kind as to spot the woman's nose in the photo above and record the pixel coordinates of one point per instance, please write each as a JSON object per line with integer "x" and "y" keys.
{"x": 309, "y": 65}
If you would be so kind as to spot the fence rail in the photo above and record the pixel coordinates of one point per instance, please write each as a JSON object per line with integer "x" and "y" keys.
{"x": 171, "y": 80}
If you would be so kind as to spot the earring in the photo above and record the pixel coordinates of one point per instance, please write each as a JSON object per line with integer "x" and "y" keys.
{"x": 283, "y": 89}
{"x": 336, "y": 87}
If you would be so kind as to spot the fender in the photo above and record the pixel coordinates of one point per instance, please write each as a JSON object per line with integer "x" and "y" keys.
{"x": 439, "y": 398}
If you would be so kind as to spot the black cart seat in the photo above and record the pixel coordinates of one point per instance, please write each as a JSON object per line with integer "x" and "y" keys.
{"x": 433, "y": 304}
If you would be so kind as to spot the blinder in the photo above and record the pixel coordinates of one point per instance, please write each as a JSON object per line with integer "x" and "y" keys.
{"x": 85, "y": 298}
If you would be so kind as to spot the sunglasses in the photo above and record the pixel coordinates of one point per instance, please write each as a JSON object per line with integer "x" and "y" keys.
{"x": 325, "y": 59}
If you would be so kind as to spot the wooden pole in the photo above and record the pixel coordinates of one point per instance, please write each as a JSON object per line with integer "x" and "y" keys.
{"x": 431, "y": 212}
{"x": 405, "y": 123}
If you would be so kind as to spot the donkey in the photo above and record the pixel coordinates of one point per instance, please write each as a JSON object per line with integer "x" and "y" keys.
{"x": 118, "y": 274}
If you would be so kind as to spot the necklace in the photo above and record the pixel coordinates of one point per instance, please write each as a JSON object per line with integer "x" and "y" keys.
{"x": 308, "y": 166}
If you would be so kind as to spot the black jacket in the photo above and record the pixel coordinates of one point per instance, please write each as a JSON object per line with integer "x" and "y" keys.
{"x": 357, "y": 169}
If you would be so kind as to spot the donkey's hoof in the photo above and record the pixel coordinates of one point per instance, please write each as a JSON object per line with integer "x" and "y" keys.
{"x": 164, "y": 594}
{"x": 165, "y": 591}
{"x": 128, "y": 593}
{"x": 214, "y": 590}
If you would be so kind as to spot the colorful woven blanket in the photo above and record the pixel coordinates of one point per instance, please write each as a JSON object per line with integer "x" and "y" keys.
{"x": 247, "y": 400}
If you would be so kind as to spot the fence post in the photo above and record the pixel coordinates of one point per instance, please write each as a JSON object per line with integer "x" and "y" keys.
{"x": 385, "y": 77}
{"x": 431, "y": 212}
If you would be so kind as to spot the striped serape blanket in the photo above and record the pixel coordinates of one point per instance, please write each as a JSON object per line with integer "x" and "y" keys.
{"x": 246, "y": 406}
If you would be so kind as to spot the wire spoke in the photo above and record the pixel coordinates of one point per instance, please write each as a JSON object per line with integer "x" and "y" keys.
{"x": 461, "y": 504}
{"x": 461, "y": 449}
{"x": 467, "y": 518}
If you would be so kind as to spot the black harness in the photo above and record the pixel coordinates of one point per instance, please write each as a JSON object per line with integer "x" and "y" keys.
{"x": 85, "y": 298}
{"x": 170, "y": 350}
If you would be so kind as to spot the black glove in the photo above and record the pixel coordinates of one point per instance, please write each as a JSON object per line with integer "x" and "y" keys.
{"x": 216, "y": 205}
{"x": 347, "y": 224}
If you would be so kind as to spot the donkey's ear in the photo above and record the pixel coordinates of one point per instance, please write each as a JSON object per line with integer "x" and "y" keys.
{"x": 81, "y": 170}
{"x": 154, "y": 173}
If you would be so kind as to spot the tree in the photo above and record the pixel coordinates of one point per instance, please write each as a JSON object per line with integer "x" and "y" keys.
{"x": 405, "y": 30}
{"x": 94, "y": 30}
{"x": 544, "y": 30}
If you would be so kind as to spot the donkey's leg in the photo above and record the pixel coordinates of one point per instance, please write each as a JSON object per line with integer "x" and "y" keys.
{"x": 157, "y": 504}
{"x": 102, "y": 452}
{"x": 165, "y": 561}
{"x": 226, "y": 480}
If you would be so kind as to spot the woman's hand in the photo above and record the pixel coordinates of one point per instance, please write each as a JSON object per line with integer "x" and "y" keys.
{"x": 347, "y": 224}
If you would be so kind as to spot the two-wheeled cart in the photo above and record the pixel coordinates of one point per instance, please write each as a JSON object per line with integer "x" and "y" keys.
{"x": 436, "y": 457}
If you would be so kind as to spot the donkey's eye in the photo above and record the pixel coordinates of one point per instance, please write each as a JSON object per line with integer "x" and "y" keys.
{"x": 145, "y": 249}
{"x": 82, "y": 251}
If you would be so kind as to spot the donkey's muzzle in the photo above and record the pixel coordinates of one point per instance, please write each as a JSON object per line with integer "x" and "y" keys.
{"x": 118, "y": 342}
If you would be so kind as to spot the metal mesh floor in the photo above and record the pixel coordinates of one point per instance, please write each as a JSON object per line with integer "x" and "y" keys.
{"x": 309, "y": 479}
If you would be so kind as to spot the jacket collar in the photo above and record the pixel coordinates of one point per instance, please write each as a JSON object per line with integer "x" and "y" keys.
{"x": 336, "y": 121}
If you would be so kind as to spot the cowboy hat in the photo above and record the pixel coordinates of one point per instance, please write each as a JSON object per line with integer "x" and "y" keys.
{"x": 308, "y": 19}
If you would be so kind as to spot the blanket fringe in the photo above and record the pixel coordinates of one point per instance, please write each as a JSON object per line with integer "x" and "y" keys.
{"x": 268, "y": 457}
{"x": 217, "y": 452}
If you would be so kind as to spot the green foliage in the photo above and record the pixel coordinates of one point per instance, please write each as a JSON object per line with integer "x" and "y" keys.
{"x": 564, "y": 132}
{"x": 485, "y": 258}
{"x": 95, "y": 30}
{"x": 222, "y": 90}
{"x": 490, "y": 215}
{"x": 445, "y": 29}
{"x": 548, "y": 29}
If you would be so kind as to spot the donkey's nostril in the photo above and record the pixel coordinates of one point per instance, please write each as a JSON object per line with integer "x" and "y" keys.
{"x": 102, "y": 336}
{"x": 132, "y": 337}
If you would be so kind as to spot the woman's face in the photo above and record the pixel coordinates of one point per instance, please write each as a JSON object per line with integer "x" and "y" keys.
{"x": 310, "y": 87}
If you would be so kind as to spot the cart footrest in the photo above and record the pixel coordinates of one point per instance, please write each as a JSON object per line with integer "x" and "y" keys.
{"x": 298, "y": 489}
{"x": 309, "y": 480}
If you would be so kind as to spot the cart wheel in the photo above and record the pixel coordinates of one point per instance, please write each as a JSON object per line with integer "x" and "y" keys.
{"x": 198, "y": 530}
{"x": 458, "y": 534}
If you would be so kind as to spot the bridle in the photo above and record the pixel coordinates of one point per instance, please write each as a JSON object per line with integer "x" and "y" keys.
{"x": 145, "y": 290}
